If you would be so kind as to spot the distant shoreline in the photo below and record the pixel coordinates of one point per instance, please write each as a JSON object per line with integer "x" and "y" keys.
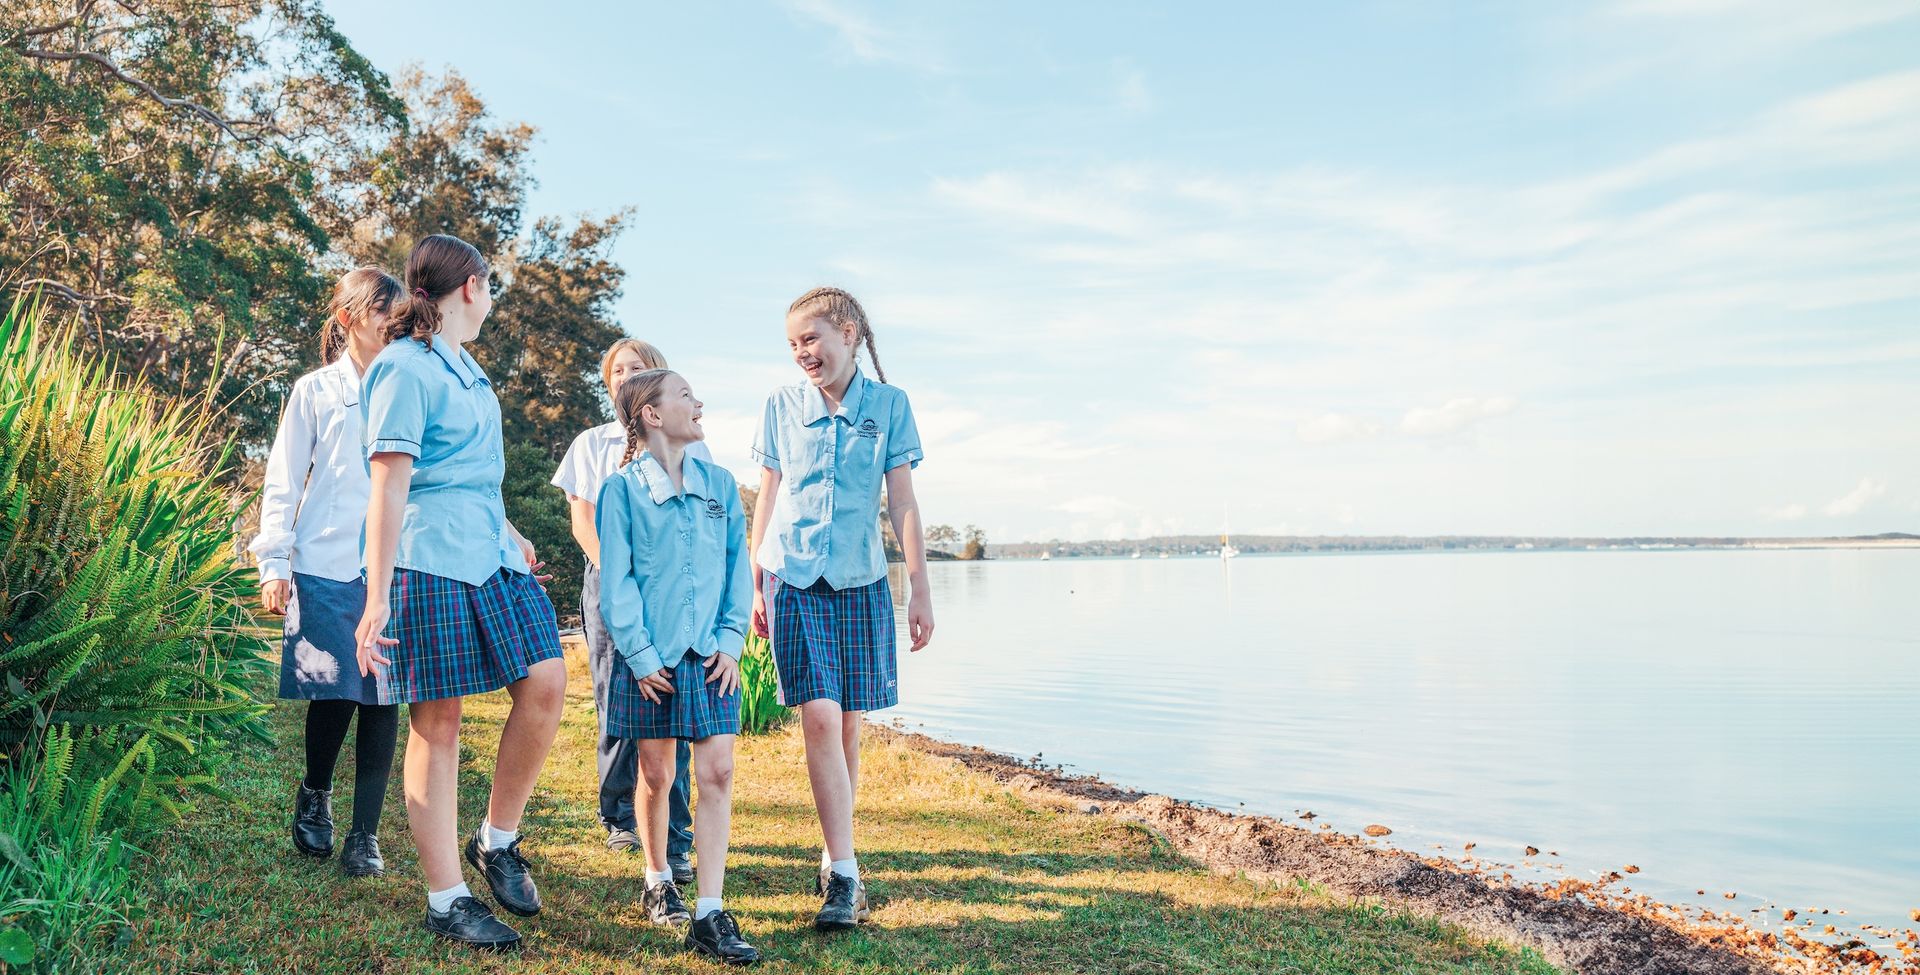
{"x": 1207, "y": 546}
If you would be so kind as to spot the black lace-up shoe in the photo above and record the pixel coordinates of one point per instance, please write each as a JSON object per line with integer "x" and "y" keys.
{"x": 665, "y": 905}
{"x": 839, "y": 910}
{"x": 508, "y": 874}
{"x": 718, "y": 936}
{"x": 313, "y": 821}
{"x": 470, "y": 922}
{"x": 682, "y": 868}
{"x": 360, "y": 856}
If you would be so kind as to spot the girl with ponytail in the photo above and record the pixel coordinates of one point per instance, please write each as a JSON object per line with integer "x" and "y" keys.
{"x": 308, "y": 548}
{"x": 827, "y": 446}
{"x": 453, "y": 606}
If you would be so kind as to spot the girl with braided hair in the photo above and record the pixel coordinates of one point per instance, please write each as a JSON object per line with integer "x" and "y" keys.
{"x": 826, "y": 448}
{"x": 675, "y": 594}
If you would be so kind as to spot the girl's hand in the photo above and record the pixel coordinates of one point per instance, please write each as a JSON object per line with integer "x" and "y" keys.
{"x": 760, "y": 614}
{"x": 655, "y": 684}
{"x": 526, "y": 551}
{"x": 367, "y": 641}
{"x": 724, "y": 669}
{"x": 274, "y": 596}
{"x": 920, "y": 618}
{"x": 535, "y": 567}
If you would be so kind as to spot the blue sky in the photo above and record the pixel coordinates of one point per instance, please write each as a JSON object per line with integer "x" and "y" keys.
{"x": 1629, "y": 268}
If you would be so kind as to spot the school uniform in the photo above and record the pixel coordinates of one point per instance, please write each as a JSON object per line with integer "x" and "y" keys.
{"x": 677, "y": 589}
{"x": 594, "y": 456}
{"x": 312, "y": 507}
{"x": 829, "y": 608}
{"x": 467, "y": 612}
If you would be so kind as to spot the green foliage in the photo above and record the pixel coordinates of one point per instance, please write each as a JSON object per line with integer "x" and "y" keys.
{"x": 760, "y": 708}
{"x": 64, "y": 882}
{"x": 125, "y": 638}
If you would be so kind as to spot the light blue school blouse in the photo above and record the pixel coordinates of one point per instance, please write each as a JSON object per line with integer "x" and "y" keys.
{"x": 674, "y": 576}
{"x": 435, "y": 405}
{"x": 826, "y": 518}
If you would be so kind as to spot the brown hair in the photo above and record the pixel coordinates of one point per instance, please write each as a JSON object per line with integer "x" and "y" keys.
{"x": 840, "y": 310}
{"x": 649, "y": 357}
{"x": 641, "y": 390}
{"x": 438, "y": 265}
{"x": 359, "y": 293}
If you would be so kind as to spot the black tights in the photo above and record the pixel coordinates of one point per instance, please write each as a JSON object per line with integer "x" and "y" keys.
{"x": 327, "y": 723}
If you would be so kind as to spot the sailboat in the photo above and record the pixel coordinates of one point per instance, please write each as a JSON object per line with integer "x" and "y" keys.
{"x": 1135, "y": 555}
{"x": 1227, "y": 551}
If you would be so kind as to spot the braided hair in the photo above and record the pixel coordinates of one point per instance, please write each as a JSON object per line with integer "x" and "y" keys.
{"x": 641, "y": 390}
{"x": 841, "y": 311}
{"x": 359, "y": 293}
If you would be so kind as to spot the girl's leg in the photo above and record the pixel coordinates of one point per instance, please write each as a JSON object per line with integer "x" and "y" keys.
{"x": 713, "y": 769}
{"x": 650, "y": 801}
{"x": 824, "y": 726}
{"x": 432, "y": 778}
{"x": 373, "y": 763}
{"x": 327, "y": 723}
{"x": 535, "y": 718}
{"x": 850, "y": 744}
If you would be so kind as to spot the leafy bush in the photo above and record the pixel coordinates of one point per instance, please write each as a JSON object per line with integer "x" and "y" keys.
{"x": 760, "y": 709}
{"x": 123, "y": 603}
{"x": 63, "y": 881}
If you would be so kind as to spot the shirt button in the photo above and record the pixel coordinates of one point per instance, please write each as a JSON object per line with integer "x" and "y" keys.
{"x": 496, "y": 536}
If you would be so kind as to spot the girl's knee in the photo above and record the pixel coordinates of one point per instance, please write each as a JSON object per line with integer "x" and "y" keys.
{"x": 547, "y": 681}
{"x": 714, "y": 773}
{"x": 437, "y": 722}
{"x": 822, "y": 720}
{"x": 657, "y": 773}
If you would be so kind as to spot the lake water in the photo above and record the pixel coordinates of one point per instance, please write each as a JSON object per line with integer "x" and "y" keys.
{"x": 1733, "y": 721}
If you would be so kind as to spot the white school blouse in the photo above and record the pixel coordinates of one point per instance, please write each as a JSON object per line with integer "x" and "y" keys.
{"x": 595, "y": 455}
{"x": 315, "y": 498}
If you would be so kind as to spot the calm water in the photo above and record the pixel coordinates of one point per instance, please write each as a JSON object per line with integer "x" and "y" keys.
{"x": 1733, "y": 721}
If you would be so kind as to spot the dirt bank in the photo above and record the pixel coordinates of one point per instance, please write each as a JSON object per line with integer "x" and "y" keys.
{"x": 1591, "y": 928}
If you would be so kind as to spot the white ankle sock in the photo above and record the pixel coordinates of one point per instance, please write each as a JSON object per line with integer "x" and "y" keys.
{"x": 440, "y": 901}
{"x": 703, "y": 906}
{"x": 658, "y": 878}
{"x": 496, "y": 839}
{"x": 826, "y": 859}
{"x": 848, "y": 868}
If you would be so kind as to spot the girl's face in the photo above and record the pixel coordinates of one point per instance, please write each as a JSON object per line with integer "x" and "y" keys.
{"x": 823, "y": 352}
{"x": 677, "y": 413}
{"x": 626, "y": 362}
{"x": 371, "y": 327}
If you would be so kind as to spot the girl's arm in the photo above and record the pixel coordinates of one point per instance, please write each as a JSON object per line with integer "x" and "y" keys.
{"x": 288, "y": 465}
{"x": 386, "y": 507}
{"x": 762, "y": 516}
{"x": 904, "y": 510}
{"x": 621, "y": 577}
{"x": 580, "y": 516}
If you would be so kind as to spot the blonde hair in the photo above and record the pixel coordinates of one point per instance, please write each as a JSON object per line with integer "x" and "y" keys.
{"x": 641, "y": 390}
{"x": 649, "y": 357}
{"x": 358, "y": 294}
{"x": 841, "y": 311}
{"x": 436, "y": 267}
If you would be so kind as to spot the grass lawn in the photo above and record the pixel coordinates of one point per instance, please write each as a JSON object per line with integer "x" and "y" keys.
{"x": 965, "y": 876}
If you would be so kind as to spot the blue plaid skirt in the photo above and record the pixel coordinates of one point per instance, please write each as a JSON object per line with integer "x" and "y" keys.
{"x": 457, "y": 639}
{"x": 836, "y": 644}
{"x": 317, "y": 659}
{"x": 694, "y": 710}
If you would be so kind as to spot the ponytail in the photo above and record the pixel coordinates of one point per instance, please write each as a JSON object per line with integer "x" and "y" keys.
{"x": 359, "y": 293}
{"x": 438, "y": 265}
{"x": 841, "y": 310}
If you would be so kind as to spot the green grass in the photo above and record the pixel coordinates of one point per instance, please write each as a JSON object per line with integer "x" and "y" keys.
{"x": 966, "y": 876}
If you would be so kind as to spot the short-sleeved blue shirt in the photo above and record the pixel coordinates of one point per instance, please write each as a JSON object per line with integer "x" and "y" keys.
{"x": 435, "y": 405}
{"x": 826, "y": 519}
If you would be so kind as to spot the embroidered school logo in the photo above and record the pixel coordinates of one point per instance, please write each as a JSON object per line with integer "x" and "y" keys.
{"x": 868, "y": 428}
{"x": 715, "y": 509}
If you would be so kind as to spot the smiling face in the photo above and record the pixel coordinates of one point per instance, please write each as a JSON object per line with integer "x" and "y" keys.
{"x": 823, "y": 351}
{"x": 626, "y": 362}
{"x": 675, "y": 415}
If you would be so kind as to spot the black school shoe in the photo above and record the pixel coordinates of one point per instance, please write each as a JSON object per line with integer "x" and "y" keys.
{"x": 508, "y": 874}
{"x": 844, "y": 906}
{"x": 717, "y": 936}
{"x": 313, "y": 821}
{"x": 664, "y": 904}
{"x": 469, "y": 922}
{"x": 683, "y": 873}
{"x": 360, "y": 856}
{"x": 622, "y": 840}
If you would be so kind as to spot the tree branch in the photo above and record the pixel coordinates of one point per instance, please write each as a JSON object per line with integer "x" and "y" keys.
{"x": 80, "y": 13}
{"x": 106, "y": 64}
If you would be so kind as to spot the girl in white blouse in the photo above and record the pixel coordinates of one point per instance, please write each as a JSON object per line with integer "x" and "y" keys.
{"x": 311, "y": 510}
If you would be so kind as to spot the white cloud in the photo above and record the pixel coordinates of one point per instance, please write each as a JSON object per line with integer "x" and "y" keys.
{"x": 1131, "y": 92}
{"x": 1098, "y": 505}
{"x": 1851, "y": 502}
{"x": 1334, "y": 428}
{"x": 1095, "y": 204}
{"x": 1787, "y": 512}
{"x": 863, "y": 38}
{"x": 1457, "y": 414}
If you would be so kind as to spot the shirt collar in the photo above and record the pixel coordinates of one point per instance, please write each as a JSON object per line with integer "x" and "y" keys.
{"x": 816, "y": 401}
{"x": 660, "y": 487}
{"x": 612, "y": 431}
{"x": 457, "y": 359}
{"x": 348, "y": 376}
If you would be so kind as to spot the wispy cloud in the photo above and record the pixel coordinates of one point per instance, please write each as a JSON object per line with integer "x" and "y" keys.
{"x": 865, "y": 39}
{"x": 1335, "y": 428}
{"x": 1851, "y": 502}
{"x": 1130, "y": 91}
{"x": 1454, "y": 415}
{"x": 1786, "y": 512}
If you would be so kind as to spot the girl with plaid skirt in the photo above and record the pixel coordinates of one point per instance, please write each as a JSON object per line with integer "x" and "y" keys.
{"x": 675, "y": 593}
{"x": 311, "y": 508}
{"x": 453, "y": 607}
{"x": 826, "y": 447}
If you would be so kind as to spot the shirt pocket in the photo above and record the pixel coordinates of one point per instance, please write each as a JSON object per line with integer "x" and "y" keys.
{"x": 863, "y": 455}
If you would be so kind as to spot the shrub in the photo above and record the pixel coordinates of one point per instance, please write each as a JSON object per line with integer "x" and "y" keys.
{"x": 760, "y": 709}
